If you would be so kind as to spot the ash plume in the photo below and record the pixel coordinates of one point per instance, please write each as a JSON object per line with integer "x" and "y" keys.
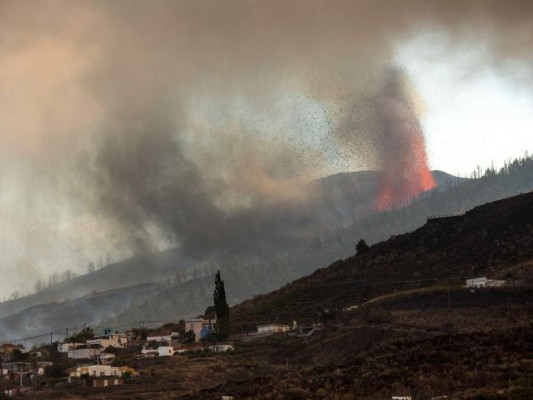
{"x": 163, "y": 123}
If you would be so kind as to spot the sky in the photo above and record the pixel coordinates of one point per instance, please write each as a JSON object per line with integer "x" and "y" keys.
{"x": 489, "y": 112}
{"x": 129, "y": 127}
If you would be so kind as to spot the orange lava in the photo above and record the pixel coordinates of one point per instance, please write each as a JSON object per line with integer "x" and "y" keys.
{"x": 406, "y": 174}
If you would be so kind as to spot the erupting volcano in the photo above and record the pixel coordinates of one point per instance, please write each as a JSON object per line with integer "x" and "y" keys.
{"x": 404, "y": 161}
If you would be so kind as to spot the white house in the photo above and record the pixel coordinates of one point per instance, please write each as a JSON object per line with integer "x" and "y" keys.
{"x": 483, "y": 282}
{"x": 100, "y": 370}
{"x": 159, "y": 352}
{"x": 85, "y": 352}
{"x": 168, "y": 337}
{"x": 65, "y": 347}
{"x": 112, "y": 340}
{"x": 165, "y": 351}
{"x": 195, "y": 325}
{"x": 273, "y": 328}
{"x": 221, "y": 348}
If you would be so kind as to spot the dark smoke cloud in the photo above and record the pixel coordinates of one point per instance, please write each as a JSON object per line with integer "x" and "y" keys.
{"x": 145, "y": 182}
{"x": 99, "y": 99}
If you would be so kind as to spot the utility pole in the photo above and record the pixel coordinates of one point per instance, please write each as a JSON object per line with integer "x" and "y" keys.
{"x": 67, "y": 333}
{"x": 51, "y": 338}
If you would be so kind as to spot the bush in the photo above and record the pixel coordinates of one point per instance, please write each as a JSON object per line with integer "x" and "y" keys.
{"x": 54, "y": 371}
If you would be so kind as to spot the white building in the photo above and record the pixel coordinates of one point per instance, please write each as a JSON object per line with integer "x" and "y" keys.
{"x": 159, "y": 352}
{"x": 85, "y": 352}
{"x": 221, "y": 348}
{"x": 273, "y": 328}
{"x": 165, "y": 351}
{"x": 65, "y": 347}
{"x": 112, "y": 340}
{"x": 483, "y": 282}
{"x": 100, "y": 370}
{"x": 162, "y": 338}
{"x": 195, "y": 325}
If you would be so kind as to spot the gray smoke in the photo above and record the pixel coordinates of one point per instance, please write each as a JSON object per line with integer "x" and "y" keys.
{"x": 160, "y": 123}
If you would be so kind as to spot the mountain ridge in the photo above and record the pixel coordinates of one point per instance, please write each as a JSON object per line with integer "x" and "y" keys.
{"x": 242, "y": 273}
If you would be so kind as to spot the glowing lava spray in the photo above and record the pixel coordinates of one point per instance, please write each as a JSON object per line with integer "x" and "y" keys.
{"x": 403, "y": 151}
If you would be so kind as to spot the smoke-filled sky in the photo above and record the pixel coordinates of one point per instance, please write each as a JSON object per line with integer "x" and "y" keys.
{"x": 131, "y": 126}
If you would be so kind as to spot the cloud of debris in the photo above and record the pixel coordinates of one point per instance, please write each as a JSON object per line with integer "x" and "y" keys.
{"x": 152, "y": 124}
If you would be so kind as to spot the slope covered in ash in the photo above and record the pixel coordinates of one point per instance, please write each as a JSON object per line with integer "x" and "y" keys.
{"x": 488, "y": 240}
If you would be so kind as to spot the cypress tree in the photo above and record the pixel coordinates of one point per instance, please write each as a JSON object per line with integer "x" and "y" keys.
{"x": 221, "y": 308}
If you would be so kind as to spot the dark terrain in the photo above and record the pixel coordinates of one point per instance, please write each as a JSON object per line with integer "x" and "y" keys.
{"x": 416, "y": 331}
{"x": 494, "y": 240}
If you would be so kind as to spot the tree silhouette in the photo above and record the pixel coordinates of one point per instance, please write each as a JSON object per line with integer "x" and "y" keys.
{"x": 82, "y": 336}
{"x": 361, "y": 247}
{"x": 221, "y": 308}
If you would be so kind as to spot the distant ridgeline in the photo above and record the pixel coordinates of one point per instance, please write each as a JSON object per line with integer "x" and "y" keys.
{"x": 246, "y": 273}
{"x": 246, "y": 278}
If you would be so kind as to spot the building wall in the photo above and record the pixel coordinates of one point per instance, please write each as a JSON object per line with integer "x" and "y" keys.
{"x": 484, "y": 282}
{"x": 83, "y": 353}
{"x": 195, "y": 325}
{"x": 104, "y": 382}
{"x": 110, "y": 340}
{"x": 101, "y": 370}
{"x": 165, "y": 338}
{"x": 221, "y": 348}
{"x": 275, "y": 328}
{"x": 165, "y": 351}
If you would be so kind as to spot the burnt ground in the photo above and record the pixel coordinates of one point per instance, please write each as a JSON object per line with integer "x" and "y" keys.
{"x": 422, "y": 343}
{"x": 473, "y": 352}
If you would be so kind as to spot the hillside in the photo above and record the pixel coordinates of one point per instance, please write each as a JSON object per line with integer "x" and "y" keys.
{"x": 488, "y": 240}
{"x": 253, "y": 271}
{"x": 246, "y": 277}
{"x": 73, "y": 314}
{"x": 415, "y": 333}
{"x": 134, "y": 271}
{"x": 333, "y": 201}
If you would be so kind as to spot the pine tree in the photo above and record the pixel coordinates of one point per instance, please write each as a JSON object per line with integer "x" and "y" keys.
{"x": 221, "y": 308}
{"x": 361, "y": 247}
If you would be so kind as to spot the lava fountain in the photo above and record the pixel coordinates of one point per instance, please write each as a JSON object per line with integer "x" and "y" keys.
{"x": 402, "y": 146}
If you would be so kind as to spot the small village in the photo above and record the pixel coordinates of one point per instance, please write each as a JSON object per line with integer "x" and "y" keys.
{"x": 108, "y": 357}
